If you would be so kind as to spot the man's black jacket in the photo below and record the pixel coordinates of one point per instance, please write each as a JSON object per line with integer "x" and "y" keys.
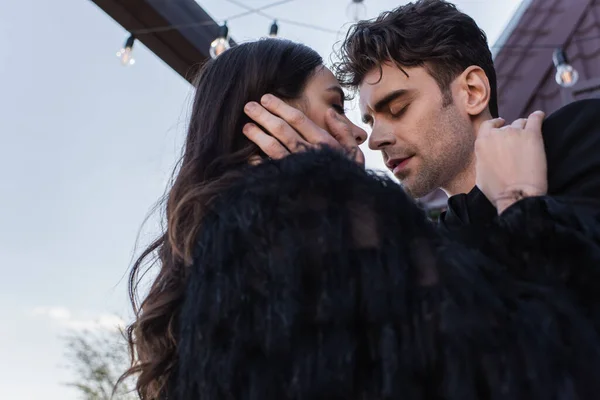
{"x": 572, "y": 142}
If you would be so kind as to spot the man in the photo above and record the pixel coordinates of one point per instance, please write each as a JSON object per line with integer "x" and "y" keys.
{"x": 426, "y": 82}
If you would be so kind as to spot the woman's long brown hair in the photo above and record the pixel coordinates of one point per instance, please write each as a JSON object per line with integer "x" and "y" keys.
{"x": 215, "y": 150}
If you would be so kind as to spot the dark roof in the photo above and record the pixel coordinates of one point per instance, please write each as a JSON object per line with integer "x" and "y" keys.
{"x": 184, "y": 32}
{"x": 524, "y": 65}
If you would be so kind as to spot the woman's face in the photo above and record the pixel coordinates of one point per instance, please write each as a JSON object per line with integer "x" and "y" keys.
{"x": 321, "y": 93}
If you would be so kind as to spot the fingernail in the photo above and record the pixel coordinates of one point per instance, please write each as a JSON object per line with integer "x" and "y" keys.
{"x": 266, "y": 99}
{"x": 249, "y": 107}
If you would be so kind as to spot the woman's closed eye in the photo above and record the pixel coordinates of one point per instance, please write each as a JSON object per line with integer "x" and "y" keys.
{"x": 339, "y": 109}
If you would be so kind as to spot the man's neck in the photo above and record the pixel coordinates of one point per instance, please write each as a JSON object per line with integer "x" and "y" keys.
{"x": 463, "y": 182}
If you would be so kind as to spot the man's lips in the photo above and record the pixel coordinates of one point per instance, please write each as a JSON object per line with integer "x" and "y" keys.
{"x": 398, "y": 164}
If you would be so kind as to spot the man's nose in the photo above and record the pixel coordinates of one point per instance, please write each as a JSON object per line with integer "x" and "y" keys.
{"x": 380, "y": 138}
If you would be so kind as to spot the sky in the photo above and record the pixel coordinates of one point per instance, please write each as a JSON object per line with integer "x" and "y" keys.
{"x": 86, "y": 149}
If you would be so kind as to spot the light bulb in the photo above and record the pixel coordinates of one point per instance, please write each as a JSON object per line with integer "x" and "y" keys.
{"x": 356, "y": 10}
{"x": 274, "y": 29}
{"x": 566, "y": 75}
{"x": 126, "y": 53}
{"x": 221, "y": 43}
{"x": 126, "y": 56}
{"x": 218, "y": 46}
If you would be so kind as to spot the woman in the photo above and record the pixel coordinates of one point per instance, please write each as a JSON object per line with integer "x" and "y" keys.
{"x": 217, "y": 156}
{"x": 314, "y": 279}
{"x": 216, "y": 145}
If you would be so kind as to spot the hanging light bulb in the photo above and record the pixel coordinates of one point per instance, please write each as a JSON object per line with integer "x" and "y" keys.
{"x": 221, "y": 43}
{"x": 356, "y": 10}
{"x": 566, "y": 75}
{"x": 274, "y": 29}
{"x": 126, "y": 53}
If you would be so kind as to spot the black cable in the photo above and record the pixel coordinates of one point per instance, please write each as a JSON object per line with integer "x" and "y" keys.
{"x": 287, "y": 21}
{"x": 211, "y": 22}
{"x": 259, "y": 11}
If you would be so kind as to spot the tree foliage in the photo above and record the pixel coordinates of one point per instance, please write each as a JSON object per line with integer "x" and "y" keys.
{"x": 97, "y": 360}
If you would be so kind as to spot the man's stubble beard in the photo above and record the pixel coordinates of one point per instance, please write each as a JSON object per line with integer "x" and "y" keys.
{"x": 454, "y": 153}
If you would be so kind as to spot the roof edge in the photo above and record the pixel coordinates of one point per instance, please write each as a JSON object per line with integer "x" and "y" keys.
{"x": 510, "y": 27}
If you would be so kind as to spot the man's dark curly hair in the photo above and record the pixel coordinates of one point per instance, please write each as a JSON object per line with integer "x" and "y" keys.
{"x": 315, "y": 279}
{"x": 426, "y": 33}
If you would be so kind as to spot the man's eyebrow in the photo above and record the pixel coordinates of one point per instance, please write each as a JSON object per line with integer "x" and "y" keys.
{"x": 387, "y": 99}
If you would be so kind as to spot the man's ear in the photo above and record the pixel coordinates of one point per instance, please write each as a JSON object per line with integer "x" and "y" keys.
{"x": 474, "y": 90}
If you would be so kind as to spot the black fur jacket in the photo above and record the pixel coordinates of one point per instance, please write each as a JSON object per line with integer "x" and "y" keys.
{"x": 314, "y": 279}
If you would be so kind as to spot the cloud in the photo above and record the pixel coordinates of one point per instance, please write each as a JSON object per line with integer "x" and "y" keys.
{"x": 56, "y": 313}
{"x": 65, "y": 318}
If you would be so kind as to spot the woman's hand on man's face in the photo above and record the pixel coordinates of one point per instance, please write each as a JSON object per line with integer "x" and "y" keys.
{"x": 289, "y": 130}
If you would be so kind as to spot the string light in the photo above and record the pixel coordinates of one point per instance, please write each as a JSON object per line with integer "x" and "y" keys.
{"x": 221, "y": 43}
{"x": 566, "y": 75}
{"x": 356, "y": 10}
{"x": 126, "y": 53}
{"x": 274, "y": 29}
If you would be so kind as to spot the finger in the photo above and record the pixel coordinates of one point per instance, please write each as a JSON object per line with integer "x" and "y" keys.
{"x": 519, "y": 123}
{"x": 341, "y": 129}
{"x": 310, "y": 131}
{"x": 358, "y": 156}
{"x": 274, "y": 125}
{"x": 535, "y": 121}
{"x": 255, "y": 160}
{"x": 267, "y": 143}
{"x": 492, "y": 123}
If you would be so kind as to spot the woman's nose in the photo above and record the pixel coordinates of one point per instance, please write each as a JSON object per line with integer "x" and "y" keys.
{"x": 359, "y": 135}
